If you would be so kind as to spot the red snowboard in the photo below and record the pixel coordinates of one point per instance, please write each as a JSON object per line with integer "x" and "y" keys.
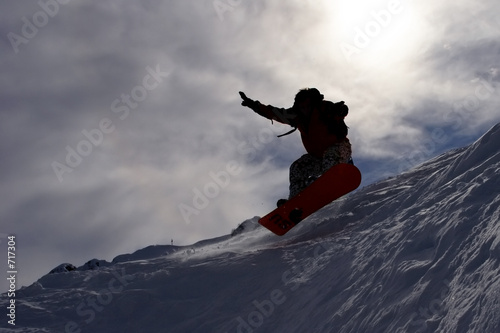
{"x": 336, "y": 182}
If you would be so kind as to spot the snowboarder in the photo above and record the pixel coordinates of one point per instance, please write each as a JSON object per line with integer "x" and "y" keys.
{"x": 322, "y": 129}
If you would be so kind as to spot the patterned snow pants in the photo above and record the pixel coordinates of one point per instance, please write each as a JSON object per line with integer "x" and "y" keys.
{"x": 307, "y": 168}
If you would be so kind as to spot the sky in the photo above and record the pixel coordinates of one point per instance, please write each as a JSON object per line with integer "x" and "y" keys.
{"x": 121, "y": 124}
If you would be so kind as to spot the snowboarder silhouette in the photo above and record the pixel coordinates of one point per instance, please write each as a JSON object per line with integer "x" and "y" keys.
{"x": 322, "y": 129}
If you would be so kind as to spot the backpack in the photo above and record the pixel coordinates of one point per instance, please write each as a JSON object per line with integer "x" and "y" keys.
{"x": 333, "y": 115}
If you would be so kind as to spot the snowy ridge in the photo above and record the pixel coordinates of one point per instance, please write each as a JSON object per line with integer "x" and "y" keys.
{"x": 415, "y": 253}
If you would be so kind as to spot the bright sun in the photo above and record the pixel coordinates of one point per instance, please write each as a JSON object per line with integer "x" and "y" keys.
{"x": 374, "y": 31}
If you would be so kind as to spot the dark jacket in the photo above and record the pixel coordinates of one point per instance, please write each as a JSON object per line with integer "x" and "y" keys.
{"x": 321, "y": 129}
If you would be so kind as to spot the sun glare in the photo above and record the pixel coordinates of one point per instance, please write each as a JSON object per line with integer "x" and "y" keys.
{"x": 374, "y": 32}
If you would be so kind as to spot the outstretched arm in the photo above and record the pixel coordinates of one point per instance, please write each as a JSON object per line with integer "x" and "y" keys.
{"x": 285, "y": 116}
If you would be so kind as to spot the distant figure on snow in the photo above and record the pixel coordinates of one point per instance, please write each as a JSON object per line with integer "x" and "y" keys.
{"x": 323, "y": 131}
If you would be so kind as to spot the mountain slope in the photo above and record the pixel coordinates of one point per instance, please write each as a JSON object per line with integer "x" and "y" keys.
{"x": 415, "y": 253}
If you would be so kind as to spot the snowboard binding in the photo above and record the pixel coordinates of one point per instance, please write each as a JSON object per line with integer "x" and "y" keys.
{"x": 296, "y": 215}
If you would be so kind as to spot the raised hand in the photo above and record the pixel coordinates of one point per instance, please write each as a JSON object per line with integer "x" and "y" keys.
{"x": 246, "y": 101}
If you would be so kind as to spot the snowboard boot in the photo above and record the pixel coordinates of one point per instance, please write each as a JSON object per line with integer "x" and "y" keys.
{"x": 281, "y": 202}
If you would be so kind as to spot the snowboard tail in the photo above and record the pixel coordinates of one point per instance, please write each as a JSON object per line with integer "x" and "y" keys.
{"x": 333, "y": 184}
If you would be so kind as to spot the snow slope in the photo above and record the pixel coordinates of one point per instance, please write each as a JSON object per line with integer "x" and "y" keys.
{"x": 415, "y": 253}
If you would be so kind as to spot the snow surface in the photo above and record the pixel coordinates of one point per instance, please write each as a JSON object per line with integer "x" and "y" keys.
{"x": 415, "y": 253}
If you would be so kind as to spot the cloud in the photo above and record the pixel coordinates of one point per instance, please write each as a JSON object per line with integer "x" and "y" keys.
{"x": 422, "y": 71}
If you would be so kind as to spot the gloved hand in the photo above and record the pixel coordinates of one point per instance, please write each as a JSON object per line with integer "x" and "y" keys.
{"x": 247, "y": 101}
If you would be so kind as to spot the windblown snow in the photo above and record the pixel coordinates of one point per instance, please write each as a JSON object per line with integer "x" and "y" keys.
{"x": 419, "y": 252}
